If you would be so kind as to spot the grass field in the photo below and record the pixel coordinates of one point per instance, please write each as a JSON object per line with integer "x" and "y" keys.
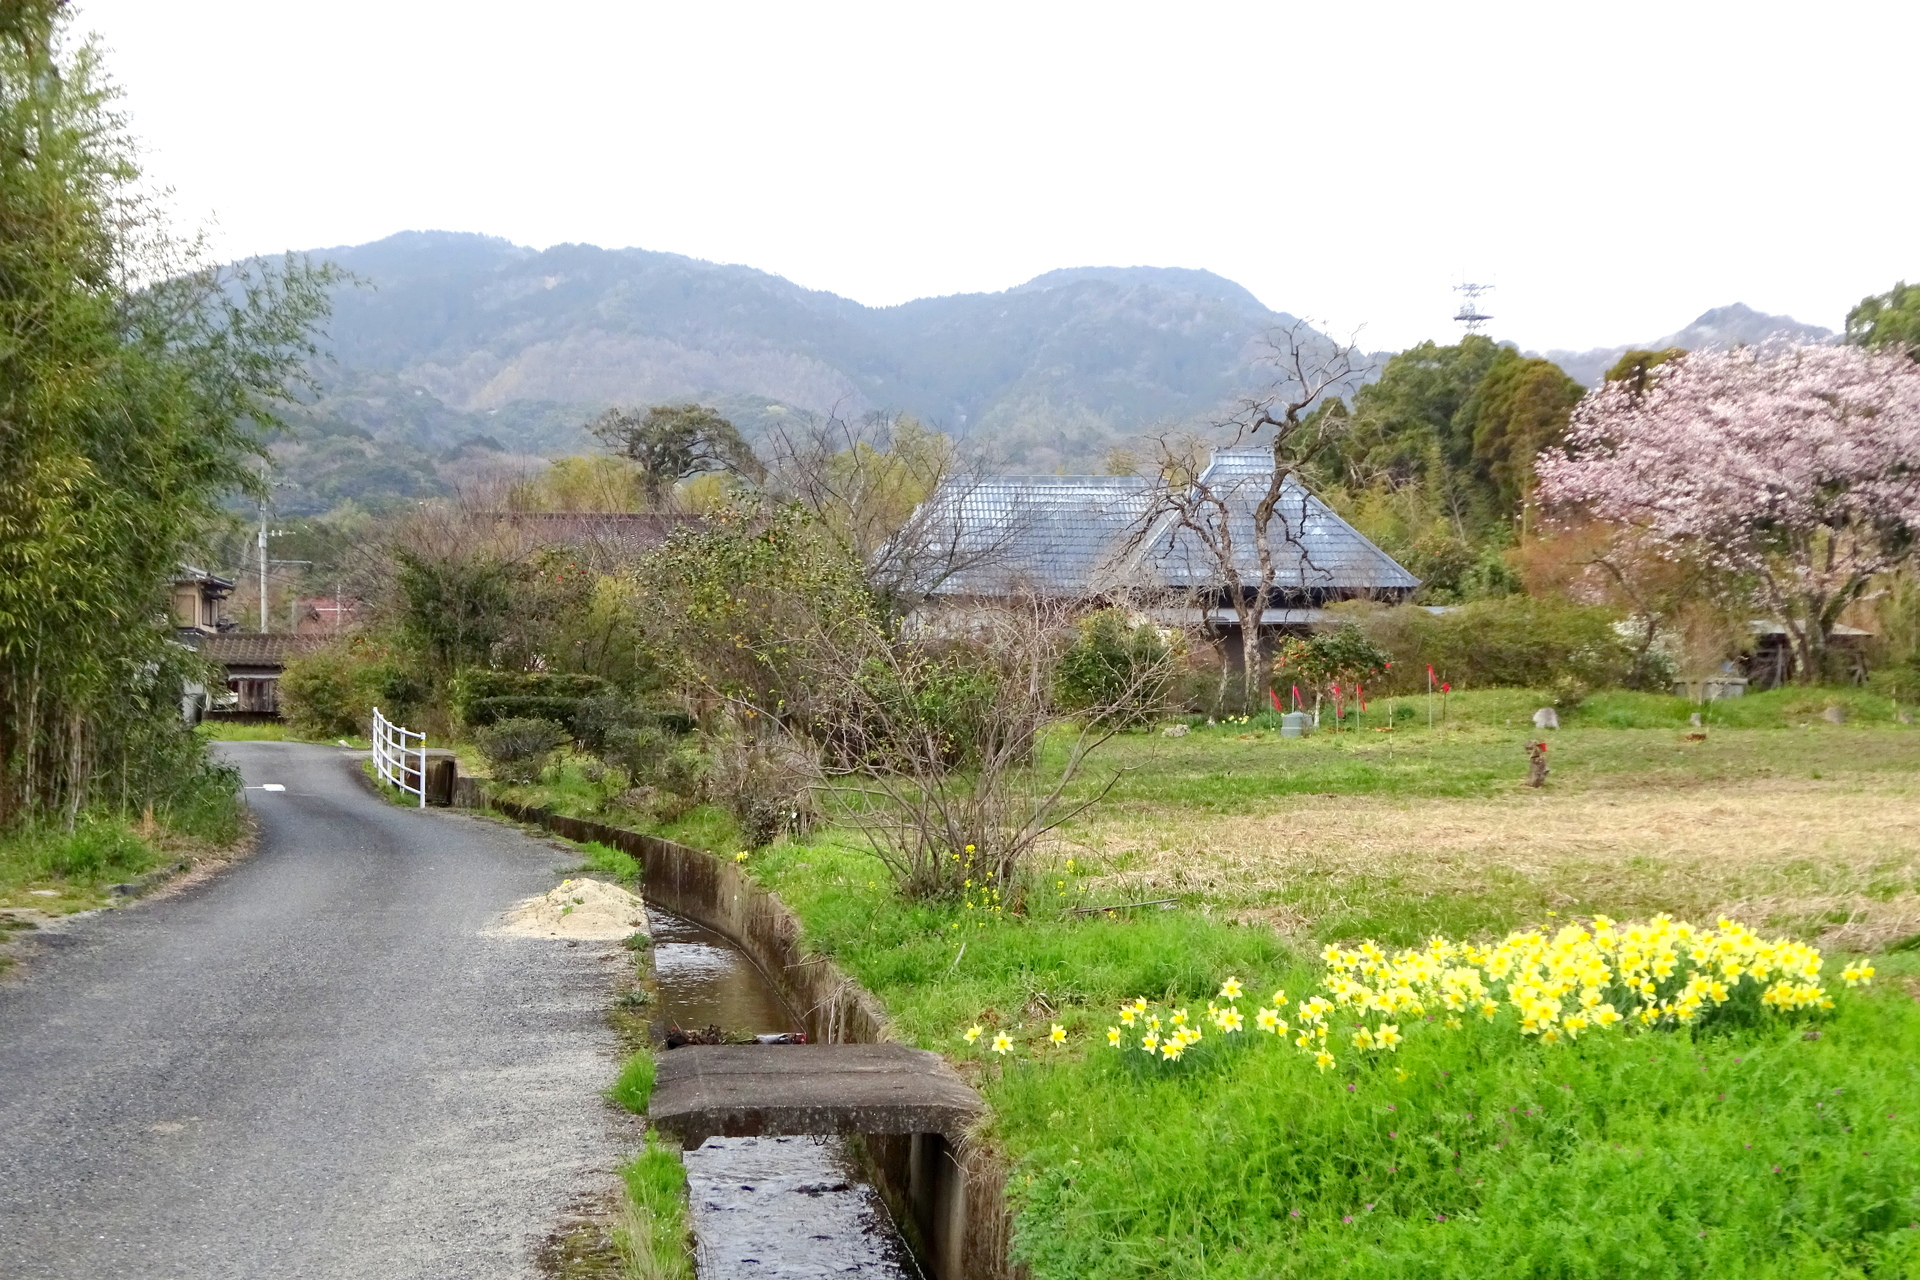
{"x": 1469, "y": 1154}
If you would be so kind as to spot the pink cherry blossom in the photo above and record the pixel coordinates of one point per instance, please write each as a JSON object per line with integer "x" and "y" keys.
{"x": 1797, "y": 474}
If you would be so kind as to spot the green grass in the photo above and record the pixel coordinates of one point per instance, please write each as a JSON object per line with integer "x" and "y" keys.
{"x": 570, "y": 786}
{"x": 76, "y": 865}
{"x": 226, "y": 731}
{"x": 653, "y": 1235}
{"x": 634, "y": 1087}
{"x": 202, "y": 813}
{"x": 1751, "y": 1154}
{"x": 1642, "y": 1155}
{"x": 1612, "y": 740}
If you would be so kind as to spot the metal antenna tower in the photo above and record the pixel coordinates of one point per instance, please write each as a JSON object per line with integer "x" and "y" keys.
{"x": 1470, "y": 314}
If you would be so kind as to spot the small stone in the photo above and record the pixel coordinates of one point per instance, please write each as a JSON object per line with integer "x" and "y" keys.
{"x": 1834, "y": 715}
{"x": 1694, "y": 719}
{"x": 44, "y": 893}
{"x": 1546, "y": 718}
{"x": 1177, "y": 731}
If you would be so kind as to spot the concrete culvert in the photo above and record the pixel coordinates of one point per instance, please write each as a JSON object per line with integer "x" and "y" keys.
{"x": 578, "y": 910}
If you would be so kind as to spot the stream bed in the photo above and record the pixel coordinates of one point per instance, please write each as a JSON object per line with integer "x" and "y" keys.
{"x": 793, "y": 1208}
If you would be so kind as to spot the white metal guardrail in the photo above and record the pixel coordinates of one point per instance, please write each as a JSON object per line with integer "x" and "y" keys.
{"x": 400, "y": 757}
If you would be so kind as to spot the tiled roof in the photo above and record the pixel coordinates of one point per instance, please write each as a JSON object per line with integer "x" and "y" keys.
{"x": 1314, "y": 550}
{"x": 256, "y": 650}
{"x": 1087, "y": 534}
{"x": 1045, "y": 533}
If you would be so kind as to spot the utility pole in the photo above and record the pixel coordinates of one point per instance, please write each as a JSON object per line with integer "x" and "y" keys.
{"x": 263, "y": 569}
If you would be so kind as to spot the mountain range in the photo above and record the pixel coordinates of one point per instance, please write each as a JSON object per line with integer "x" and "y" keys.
{"x": 453, "y": 353}
{"x": 1738, "y": 325}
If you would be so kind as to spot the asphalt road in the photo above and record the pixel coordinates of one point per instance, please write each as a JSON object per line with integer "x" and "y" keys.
{"x": 312, "y": 1065}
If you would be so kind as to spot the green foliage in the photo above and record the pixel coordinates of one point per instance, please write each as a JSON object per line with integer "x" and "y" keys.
{"x": 634, "y": 1088}
{"x": 1345, "y": 656}
{"x": 453, "y": 609}
{"x": 97, "y": 851}
{"x": 1752, "y": 1153}
{"x": 1520, "y": 407}
{"x": 615, "y": 864}
{"x": 1636, "y": 367}
{"x": 1516, "y": 641}
{"x": 1438, "y": 464}
{"x": 331, "y": 692}
{"x": 1890, "y": 319}
{"x": 1120, "y": 671}
{"x": 671, "y": 442}
{"x": 521, "y": 706}
{"x": 518, "y": 750}
{"x": 128, "y": 414}
{"x": 1415, "y": 423}
{"x": 653, "y": 1234}
{"x": 741, "y": 605}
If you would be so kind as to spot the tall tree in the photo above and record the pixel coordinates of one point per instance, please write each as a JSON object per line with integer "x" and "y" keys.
{"x": 1799, "y": 473}
{"x": 1890, "y": 319}
{"x": 671, "y": 442}
{"x": 1519, "y": 407}
{"x": 127, "y": 409}
{"x": 1294, "y": 419}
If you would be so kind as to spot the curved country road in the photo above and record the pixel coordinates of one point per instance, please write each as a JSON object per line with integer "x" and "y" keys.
{"x": 312, "y": 1065}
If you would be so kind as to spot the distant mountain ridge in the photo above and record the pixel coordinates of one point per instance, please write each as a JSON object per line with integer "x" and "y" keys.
{"x": 1716, "y": 330}
{"x": 462, "y": 337}
{"x": 458, "y": 348}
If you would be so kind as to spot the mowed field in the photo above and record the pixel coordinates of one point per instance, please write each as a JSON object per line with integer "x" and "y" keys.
{"x": 1801, "y": 826}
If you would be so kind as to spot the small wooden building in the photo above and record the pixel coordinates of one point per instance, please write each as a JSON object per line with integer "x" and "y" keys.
{"x": 253, "y": 666}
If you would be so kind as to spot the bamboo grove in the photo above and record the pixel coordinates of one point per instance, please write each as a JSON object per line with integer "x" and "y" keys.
{"x": 134, "y": 386}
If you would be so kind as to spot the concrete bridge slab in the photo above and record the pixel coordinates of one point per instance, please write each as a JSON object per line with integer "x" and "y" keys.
{"x": 748, "y": 1091}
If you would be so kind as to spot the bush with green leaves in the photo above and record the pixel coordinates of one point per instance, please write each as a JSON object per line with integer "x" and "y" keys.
{"x": 518, "y": 750}
{"x": 1118, "y": 671}
{"x": 1522, "y": 642}
{"x": 1343, "y": 657}
{"x": 331, "y": 692}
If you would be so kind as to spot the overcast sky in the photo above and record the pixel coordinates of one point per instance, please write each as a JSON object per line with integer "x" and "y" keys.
{"x": 1613, "y": 169}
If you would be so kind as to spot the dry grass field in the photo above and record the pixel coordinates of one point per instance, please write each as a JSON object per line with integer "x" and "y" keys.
{"x": 1813, "y": 831}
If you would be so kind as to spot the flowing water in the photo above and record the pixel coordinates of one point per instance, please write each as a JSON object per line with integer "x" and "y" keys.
{"x": 793, "y": 1208}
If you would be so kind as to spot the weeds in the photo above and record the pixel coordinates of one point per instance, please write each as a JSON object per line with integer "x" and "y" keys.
{"x": 652, "y": 1233}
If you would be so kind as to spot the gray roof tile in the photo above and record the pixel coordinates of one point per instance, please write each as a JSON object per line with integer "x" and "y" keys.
{"x": 1084, "y": 534}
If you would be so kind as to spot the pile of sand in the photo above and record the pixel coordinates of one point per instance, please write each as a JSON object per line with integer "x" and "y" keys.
{"x": 578, "y": 909}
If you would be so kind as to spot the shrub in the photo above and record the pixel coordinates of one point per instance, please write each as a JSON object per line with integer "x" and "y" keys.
{"x": 331, "y": 692}
{"x": 768, "y": 788}
{"x": 1510, "y": 641}
{"x": 521, "y": 706}
{"x": 1119, "y": 673}
{"x": 518, "y": 749}
{"x": 481, "y": 696}
{"x": 1344, "y": 656}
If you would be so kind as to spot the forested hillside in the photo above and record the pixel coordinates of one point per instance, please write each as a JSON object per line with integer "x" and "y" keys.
{"x": 457, "y": 342}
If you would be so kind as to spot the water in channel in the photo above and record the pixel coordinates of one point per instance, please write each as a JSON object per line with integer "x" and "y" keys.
{"x": 792, "y": 1208}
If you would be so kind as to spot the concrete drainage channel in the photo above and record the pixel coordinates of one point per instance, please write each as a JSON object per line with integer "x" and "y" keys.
{"x": 724, "y": 940}
{"x": 787, "y": 1206}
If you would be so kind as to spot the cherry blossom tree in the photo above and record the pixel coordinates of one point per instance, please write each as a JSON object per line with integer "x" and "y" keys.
{"x": 1797, "y": 472}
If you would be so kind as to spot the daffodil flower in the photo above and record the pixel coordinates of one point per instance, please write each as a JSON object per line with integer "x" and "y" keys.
{"x": 1002, "y": 1043}
{"x": 973, "y": 1033}
{"x": 1058, "y": 1035}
